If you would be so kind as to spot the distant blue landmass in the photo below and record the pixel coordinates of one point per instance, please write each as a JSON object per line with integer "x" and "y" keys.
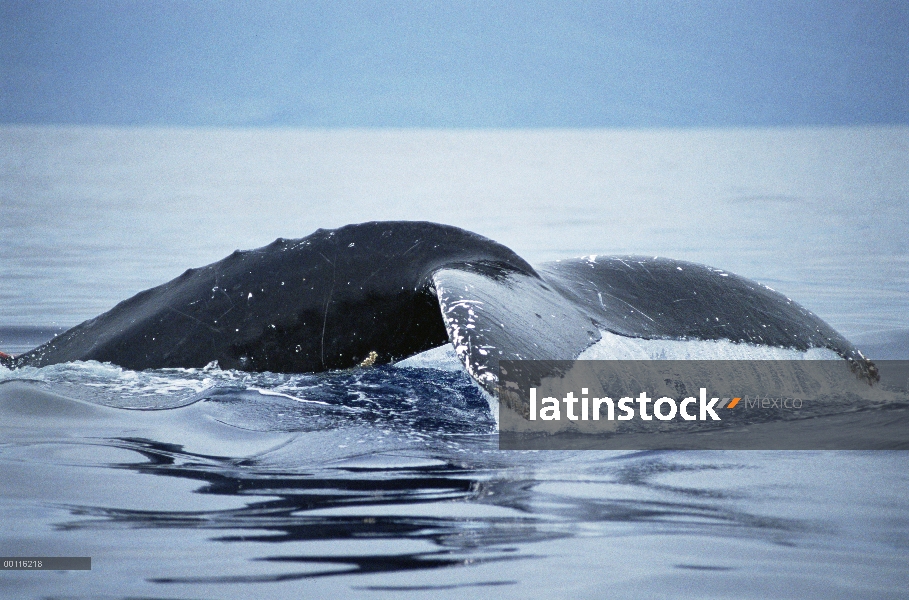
{"x": 464, "y": 64}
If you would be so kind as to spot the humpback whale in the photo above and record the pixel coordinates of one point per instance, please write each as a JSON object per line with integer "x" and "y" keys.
{"x": 379, "y": 292}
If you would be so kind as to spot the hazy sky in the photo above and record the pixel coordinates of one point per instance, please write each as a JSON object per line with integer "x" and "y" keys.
{"x": 455, "y": 64}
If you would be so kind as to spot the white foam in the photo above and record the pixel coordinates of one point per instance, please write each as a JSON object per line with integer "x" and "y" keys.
{"x": 288, "y": 396}
{"x": 113, "y": 385}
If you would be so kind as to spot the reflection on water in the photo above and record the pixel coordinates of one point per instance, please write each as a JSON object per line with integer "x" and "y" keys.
{"x": 404, "y": 513}
{"x": 374, "y": 503}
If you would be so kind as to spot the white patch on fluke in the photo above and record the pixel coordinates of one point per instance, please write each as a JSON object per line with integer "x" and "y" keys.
{"x": 442, "y": 358}
{"x": 617, "y": 347}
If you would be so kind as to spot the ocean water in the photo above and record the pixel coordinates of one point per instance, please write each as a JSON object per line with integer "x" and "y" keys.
{"x": 387, "y": 481}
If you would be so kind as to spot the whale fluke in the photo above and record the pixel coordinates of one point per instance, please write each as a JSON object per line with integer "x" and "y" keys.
{"x": 379, "y": 292}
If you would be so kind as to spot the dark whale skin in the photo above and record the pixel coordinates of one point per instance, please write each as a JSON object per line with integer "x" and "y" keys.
{"x": 322, "y": 302}
{"x": 382, "y": 291}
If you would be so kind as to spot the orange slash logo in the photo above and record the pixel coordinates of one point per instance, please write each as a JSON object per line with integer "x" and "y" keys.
{"x": 727, "y": 404}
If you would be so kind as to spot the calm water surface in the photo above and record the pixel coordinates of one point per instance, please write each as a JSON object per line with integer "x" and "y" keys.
{"x": 387, "y": 482}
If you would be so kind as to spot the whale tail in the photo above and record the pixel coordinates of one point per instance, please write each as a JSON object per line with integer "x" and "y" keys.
{"x": 379, "y": 292}
{"x": 6, "y": 360}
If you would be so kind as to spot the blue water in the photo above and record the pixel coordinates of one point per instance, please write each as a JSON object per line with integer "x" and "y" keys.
{"x": 388, "y": 482}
